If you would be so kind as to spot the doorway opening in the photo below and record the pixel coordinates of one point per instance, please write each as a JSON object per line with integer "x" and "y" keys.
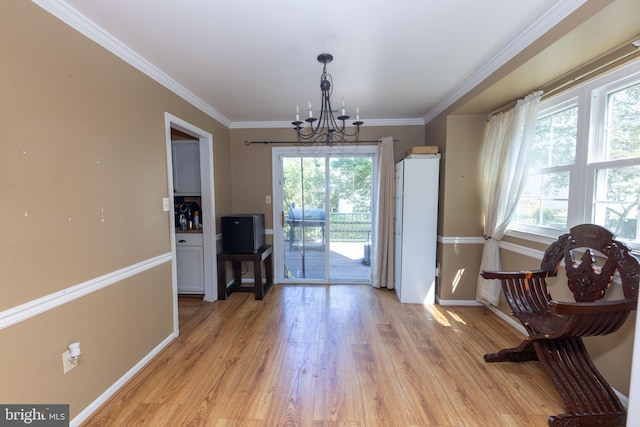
{"x": 207, "y": 214}
{"x": 324, "y": 197}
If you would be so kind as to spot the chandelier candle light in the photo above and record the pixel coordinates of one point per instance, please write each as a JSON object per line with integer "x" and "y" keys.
{"x": 328, "y": 128}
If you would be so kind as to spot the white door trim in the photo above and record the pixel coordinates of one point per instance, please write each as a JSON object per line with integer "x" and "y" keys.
{"x": 276, "y": 180}
{"x": 208, "y": 207}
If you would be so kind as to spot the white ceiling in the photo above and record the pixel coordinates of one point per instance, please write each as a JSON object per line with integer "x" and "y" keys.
{"x": 248, "y": 62}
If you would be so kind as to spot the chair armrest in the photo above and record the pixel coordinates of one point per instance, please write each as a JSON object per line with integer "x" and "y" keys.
{"x": 500, "y": 275}
{"x": 600, "y": 307}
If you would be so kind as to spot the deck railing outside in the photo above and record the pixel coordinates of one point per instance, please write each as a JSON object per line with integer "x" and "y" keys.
{"x": 350, "y": 227}
{"x": 344, "y": 227}
{"x": 350, "y": 256}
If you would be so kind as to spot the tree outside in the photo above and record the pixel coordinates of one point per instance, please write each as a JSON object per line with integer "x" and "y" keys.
{"x": 350, "y": 183}
{"x": 617, "y": 187}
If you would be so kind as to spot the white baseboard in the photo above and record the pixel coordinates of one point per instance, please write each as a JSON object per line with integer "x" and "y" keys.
{"x": 86, "y": 412}
{"x": 251, "y": 281}
{"x": 509, "y": 319}
{"x": 458, "y": 302}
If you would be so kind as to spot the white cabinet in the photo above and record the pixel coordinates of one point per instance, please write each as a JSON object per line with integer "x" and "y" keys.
{"x": 186, "y": 168}
{"x": 190, "y": 263}
{"x": 416, "y": 222}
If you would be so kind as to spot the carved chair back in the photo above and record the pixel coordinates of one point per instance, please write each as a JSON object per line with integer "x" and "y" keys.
{"x": 586, "y": 279}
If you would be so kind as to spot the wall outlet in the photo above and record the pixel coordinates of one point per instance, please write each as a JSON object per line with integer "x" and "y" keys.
{"x": 267, "y": 200}
{"x": 67, "y": 364}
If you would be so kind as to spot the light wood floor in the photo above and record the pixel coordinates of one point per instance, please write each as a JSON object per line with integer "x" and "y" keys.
{"x": 333, "y": 356}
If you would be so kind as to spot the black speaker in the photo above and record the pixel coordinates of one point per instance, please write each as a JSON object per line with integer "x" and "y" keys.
{"x": 242, "y": 234}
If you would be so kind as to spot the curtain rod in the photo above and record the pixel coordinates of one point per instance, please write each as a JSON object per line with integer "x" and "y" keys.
{"x": 622, "y": 54}
{"x": 314, "y": 143}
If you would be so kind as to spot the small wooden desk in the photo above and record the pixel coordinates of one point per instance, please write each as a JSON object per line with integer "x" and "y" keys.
{"x": 260, "y": 289}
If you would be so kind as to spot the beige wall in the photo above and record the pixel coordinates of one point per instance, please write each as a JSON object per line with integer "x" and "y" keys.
{"x": 116, "y": 326}
{"x": 460, "y": 140}
{"x": 462, "y": 159}
{"x": 460, "y": 214}
{"x": 84, "y": 140}
{"x": 459, "y": 265}
{"x": 83, "y": 172}
{"x": 251, "y": 172}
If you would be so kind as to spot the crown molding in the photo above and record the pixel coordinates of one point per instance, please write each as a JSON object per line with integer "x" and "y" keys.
{"x": 79, "y": 22}
{"x": 368, "y": 123}
{"x": 82, "y": 24}
{"x": 395, "y": 122}
{"x": 542, "y": 25}
{"x": 261, "y": 125}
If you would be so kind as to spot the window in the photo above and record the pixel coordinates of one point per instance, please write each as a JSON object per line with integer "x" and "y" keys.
{"x": 585, "y": 160}
{"x": 545, "y": 200}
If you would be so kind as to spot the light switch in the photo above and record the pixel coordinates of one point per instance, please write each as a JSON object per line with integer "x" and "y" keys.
{"x": 165, "y": 204}
{"x": 268, "y": 199}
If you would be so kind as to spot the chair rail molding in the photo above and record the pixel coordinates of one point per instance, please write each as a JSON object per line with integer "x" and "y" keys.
{"x": 43, "y": 304}
{"x": 460, "y": 240}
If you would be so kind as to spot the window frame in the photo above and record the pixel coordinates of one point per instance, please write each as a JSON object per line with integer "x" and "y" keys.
{"x": 591, "y": 100}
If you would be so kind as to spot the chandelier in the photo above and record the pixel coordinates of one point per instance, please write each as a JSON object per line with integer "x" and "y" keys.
{"x": 326, "y": 128}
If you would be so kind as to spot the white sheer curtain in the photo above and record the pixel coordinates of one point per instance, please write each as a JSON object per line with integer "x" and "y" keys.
{"x": 382, "y": 266}
{"x": 504, "y": 168}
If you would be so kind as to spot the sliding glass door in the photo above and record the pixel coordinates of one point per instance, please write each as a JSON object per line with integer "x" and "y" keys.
{"x": 323, "y": 198}
{"x": 304, "y": 211}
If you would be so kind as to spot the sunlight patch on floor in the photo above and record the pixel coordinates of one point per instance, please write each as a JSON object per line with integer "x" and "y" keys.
{"x": 348, "y": 249}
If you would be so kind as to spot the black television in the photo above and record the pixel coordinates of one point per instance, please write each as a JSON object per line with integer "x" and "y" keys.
{"x": 242, "y": 234}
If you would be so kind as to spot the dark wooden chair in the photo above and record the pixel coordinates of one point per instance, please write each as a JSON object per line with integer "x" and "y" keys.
{"x": 556, "y": 328}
